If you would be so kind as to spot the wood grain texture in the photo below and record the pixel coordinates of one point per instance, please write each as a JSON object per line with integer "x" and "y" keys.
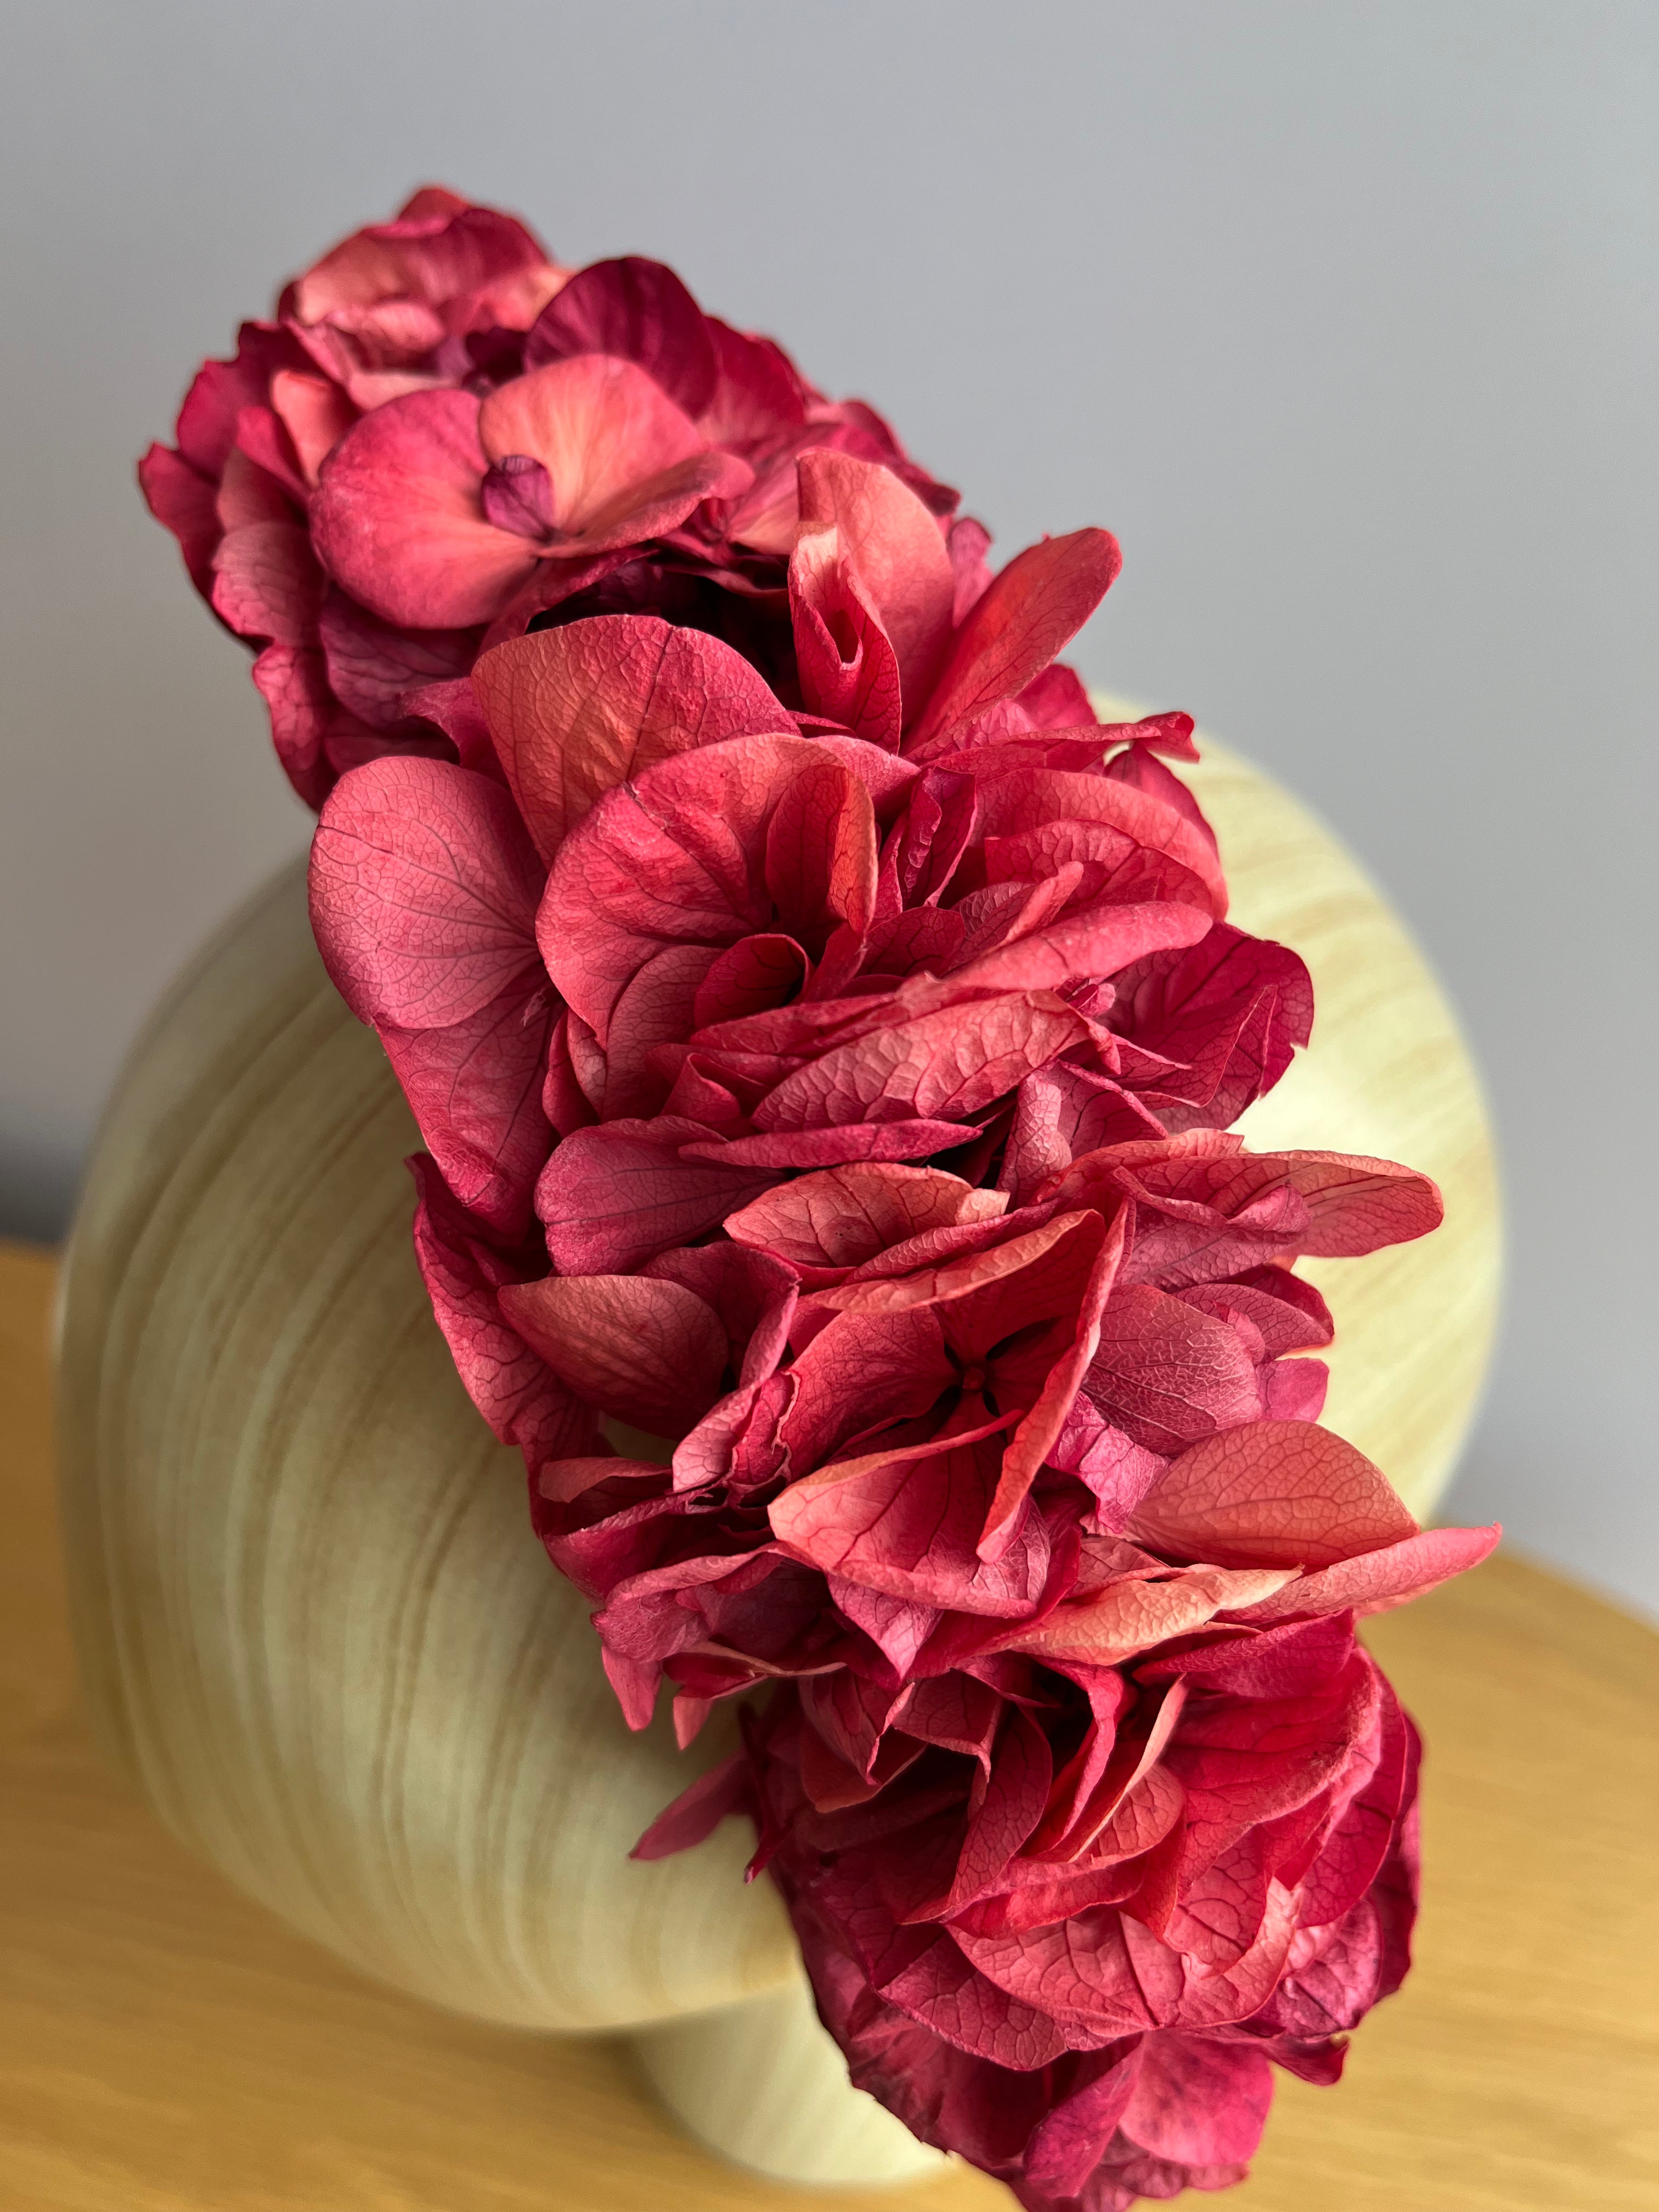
{"x": 314, "y": 1625}
{"x": 315, "y": 1628}
{"x": 165, "y": 2046}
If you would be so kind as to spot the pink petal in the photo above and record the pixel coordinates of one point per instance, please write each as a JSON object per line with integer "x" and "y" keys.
{"x": 698, "y": 1811}
{"x": 397, "y": 517}
{"x": 907, "y": 1521}
{"x": 655, "y": 1011}
{"x": 523, "y": 1400}
{"x": 1032, "y": 1273}
{"x": 614, "y": 1196}
{"x": 940, "y": 1066}
{"x": 858, "y": 1375}
{"x": 208, "y": 420}
{"x": 1022, "y": 1771}
{"x": 1168, "y": 1375}
{"x": 640, "y": 312}
{"x": 1085, "y": 946}
{"x": 1077, "y": 1971}
{"x": 1112, "y": 1625}
{"x": 758, "y": 395}
{"x": 754, "y": 977}
{"x": 820, "y": 862}
{"x": 1031, "y": 1443}
{"x": 1170, "y": 734}
{"x": 1067, "y": 2143}
{"x": 1029, "y": 800}
{"x": 1272, "y": 1493}
{"x": 896, "y": 550}
{"x": 827, "y": 1148}
{"x": 847, "y": 669}
{"x": 1040, "y": 599}
{"x": 578, "y": 710}
{"x": 1198, "y": 2102}
{"x": 266, "y": 583}
{"x": 1294, "y": 1389}
{"x": 653, "y": 1353}
{"x": 183, "y": 501}
{"x": 476, "y": 1090}
{"x": 1288, "y": 1314}
{"x": 826, "y": 1222}
{"x": 423, "y": 892}
{"x": 1196, "y": 1008}
{"x": 315, "y": 413}
{"x": 942, "y": 1989}
{"x": 1359, "y": 1204}
{"x": 626, "y": 465}
{"x": 967, "y": 543}
{"x": 1383, "y": 1578}
{"x": 292, "y": 681}
{"x": 373, "y": 668}
{"x": 439, "y": 247}
{"x": 668, "y": 858}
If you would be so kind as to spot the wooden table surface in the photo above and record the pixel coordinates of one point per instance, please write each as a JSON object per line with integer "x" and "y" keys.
{"x": 165, "y": 2047}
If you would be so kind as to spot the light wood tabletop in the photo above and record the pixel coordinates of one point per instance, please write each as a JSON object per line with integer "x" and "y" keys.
{"x": 167, "y": 2047}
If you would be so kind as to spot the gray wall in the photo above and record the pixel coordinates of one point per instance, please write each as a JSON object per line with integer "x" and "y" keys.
{"x": 1342, "y": 315}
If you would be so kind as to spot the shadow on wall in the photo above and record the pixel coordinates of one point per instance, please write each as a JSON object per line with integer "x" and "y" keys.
{"x": 38, "y": 1187}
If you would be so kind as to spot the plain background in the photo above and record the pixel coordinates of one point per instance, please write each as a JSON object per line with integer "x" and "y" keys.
{"x": 1342, "y": 316}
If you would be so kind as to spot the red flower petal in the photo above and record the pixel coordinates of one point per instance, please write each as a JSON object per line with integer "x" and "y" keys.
{"x": 637, "y": 311}
{"x": 476, "y": 1090}
{"x": 1168, "y": 1375}
{"x": 1358, "y": 1205}
{"x": 1198, "y": 2102}
{"x": 625, "y": 464}
{"x": 1043, "y": 596}
{"x": 577, "y": 711}
{"x": 940, "y": 1066}
{"x": 826, "y": 1224}
{"x": 847, "y": 669}
{"x": 653, "y": 1353}
{"x": 613, "y": 1197}
{"x": 423, "y": 892}
{"x": 523, "y": 1400}
{"x": 397, "y": 517}
{"x": 1387, "y": 1576}
{"x": 1271, "y": 1493}
{"x": 896, "y": 552}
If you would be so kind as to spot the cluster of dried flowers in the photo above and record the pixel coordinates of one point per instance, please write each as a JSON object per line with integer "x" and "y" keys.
{"x": 824, "y": 1032}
